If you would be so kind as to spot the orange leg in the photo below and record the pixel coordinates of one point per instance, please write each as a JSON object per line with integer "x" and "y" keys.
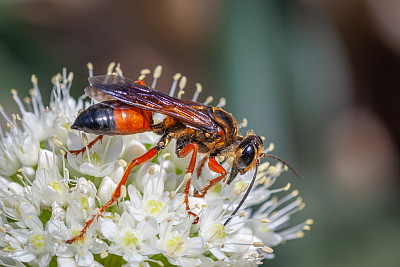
{"x": 149, "y": 155}
{"x": 183, "y": 153}
{"x": 202, "y": 162}
{"x": 89, "y": 146}
{"x": 215, "y": 167}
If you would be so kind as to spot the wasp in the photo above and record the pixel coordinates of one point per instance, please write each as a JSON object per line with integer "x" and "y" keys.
{"x": 127, "y": 107}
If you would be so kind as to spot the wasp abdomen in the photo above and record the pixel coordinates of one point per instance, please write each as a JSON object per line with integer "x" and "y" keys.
{"x": 96, "y": 119}
{"x": 111, "y": 118}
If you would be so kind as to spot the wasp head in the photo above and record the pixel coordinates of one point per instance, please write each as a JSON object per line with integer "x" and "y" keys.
{"x": 248, "y": 151}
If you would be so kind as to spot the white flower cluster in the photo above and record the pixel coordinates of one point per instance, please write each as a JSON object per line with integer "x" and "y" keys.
{"x": 47, "y": 194}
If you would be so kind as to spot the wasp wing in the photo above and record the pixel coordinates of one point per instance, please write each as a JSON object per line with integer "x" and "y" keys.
{"x": 135, "y": 94}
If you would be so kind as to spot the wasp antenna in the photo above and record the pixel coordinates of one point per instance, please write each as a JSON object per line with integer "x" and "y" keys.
{"x": 284, "y": 162}
{"x": 244, "y": 197}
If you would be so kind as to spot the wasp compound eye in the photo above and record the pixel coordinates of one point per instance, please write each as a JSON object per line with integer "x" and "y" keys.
{"x": 247, "y": 157}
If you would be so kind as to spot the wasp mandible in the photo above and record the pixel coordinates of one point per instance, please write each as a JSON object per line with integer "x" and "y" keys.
{"x": 127, "y": 107}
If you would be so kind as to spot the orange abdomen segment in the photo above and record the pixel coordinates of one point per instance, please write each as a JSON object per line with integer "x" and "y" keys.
{"x": 132, "y": 120}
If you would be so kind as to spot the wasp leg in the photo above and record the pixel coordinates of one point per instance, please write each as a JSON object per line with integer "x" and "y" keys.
{"x": 89, "y": 146}
{"x": 183, "y": 153}
{"x": 149, "y": 155}
{"x": 215, "y": 167}
{"x": 201, "y": 165}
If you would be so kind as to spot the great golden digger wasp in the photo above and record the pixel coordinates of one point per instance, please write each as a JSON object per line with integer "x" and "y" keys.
{"x": 127, "y": 107}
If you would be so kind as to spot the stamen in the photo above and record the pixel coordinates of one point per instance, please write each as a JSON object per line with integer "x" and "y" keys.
{"x": 5, "y": 116}
{"x": 208, "y": 100}
{"x": 118, "y": 69}
{"x": 243, "y": 124}
{"x": 267, "y": 249}
{"x": 156, "y": 75}
{"x": 199, "y": 89}
{"x": 90, "y": 68}
{"x": 222, "y": 102}
{"x": 174, "y": 84}
{"x": 104, "y": 255}
{"x": 263, "y": 166}
{"x": 182, "y": 85}
{"x": 110, "y": 68}
{"x": 123, "y": 191}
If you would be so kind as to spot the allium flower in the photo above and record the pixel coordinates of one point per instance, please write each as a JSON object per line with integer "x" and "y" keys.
{"x": 47, "y": 194}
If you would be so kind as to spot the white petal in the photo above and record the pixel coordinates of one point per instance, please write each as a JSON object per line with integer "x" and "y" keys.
{"x": 106, "y": 188}
{"x": 66, "y": 262}
{"x": 109, "y": 229}
{"x": 84, "y": 258}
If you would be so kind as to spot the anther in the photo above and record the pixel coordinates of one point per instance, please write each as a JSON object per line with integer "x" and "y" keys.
{"x": 236, "y": 192}
{"x": 104, "y": 255}
{"x": 122, "y": 163}
{"x": 199, "y": 89}
{"x": 222, "y": 102}
{"x": 258, "y": 244}
{"x": 271, "y": 147}
{"x": 263, "y": 166}
{"x": 157, "y": 72}
{"x": 123, "y": 191}
{"x": 244, "y": 187}
{"x": 145, "y": 72}
{"x": 244, "y": 123}
{"x": 182, "y": 83}
{"x": 177, "y": 76}
{"x": 300, "y": 234}
{"x": 187, "y": 176}
{"x": 110, "y": 68}
{"x": 34, "y": 79}
{"x": 309, "y": 221}
{"x": 208, "y": 100}
{"x": 295, "y": 193}
{"x": 287, "y": 187}
{"x": 267, "y": 249}
{"x": 265, "y": 220}
{"x": 57, "y": 142}
{"x": 180, "y": 93}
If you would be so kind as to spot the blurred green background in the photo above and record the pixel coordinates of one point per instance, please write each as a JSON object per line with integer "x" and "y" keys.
{"x": 319, "y": 78}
